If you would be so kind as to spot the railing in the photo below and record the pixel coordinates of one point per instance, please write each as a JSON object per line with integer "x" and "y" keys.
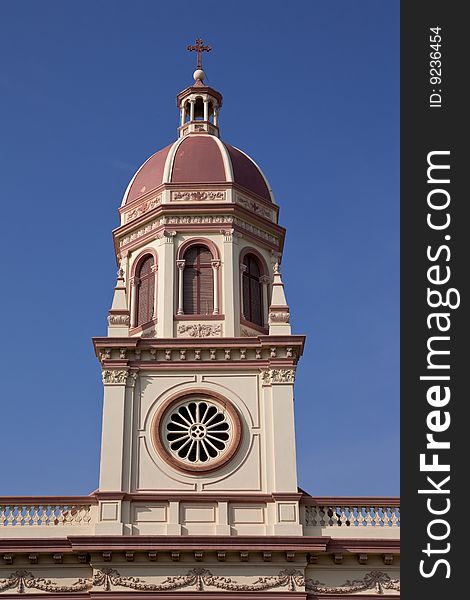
{"x": 351, "y": 512}
{"x": 46, "y": 512}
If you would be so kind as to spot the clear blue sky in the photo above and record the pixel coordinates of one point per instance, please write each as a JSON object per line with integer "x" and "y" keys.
{"x": 87, "y": 93}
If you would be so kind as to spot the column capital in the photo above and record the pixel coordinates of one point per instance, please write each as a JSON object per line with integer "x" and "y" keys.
{"x": 215, "y": 263}
{"x": 180, "y": 264}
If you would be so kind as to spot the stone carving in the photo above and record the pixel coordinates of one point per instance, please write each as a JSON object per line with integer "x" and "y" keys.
{"x": 199, "y": 330}
{"x": 255, "y": 207}
{"x": 200, "y": 579}
{"x": 118, "y": 320}
{"x": 119, "y": 376}
{"x": 22, "y": 580}
{"x": 191, "y": 196}
{"x": 113, "y": 376}
{"x": 278, "y": 376}
{"x": 143, "y": 208}
{"x": 279, "y": 317}
{"x": 375, "y": 580}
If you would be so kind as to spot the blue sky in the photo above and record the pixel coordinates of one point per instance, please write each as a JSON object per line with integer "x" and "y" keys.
{"x": 87, "y": 93}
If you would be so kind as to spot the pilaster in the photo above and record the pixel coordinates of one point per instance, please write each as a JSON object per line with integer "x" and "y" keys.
{"x": 166, "y": 284}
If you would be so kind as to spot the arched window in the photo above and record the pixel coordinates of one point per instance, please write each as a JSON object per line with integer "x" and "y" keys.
{"x": 198, "y": 282}
{"x": 252, "y": 291}
{"x": 145, "y": 291}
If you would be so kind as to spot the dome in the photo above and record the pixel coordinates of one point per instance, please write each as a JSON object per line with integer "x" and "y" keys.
{"x": 198, "y": 158}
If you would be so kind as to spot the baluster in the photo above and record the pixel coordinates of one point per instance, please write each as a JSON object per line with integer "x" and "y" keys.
{"x": 34, "y": 516}
{"x": 3, "y": 515}
{"x": 342, "y": 516}
{"x": 87, "y": 515}
{"x": 59, "y": 515}
{"x": 11, "y": 515}
{"x": 368, "y": 516}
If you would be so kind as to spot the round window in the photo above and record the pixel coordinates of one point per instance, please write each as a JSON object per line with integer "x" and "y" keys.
{"x": 197, "y": 432}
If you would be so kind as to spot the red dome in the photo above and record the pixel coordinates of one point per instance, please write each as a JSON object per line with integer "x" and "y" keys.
{"x": 198, "y": 159}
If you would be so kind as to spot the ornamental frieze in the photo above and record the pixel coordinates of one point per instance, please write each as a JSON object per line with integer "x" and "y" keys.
{"x": 255, "y": 207}
{"x": 196, "y": 220}
{"x": 278, "y": 376}
{"x": 118, "y": 319}
{"x": 116, "y": 376}
{"x": 199, "y": 330}
{"x": 143, "y": 208}
{"x": 375, "y": 581}
{"x": 199, "y": 580}
{"x": 198, "y": 196}
{"x": 279, "y": 317}
{"x": 20, "y": 581}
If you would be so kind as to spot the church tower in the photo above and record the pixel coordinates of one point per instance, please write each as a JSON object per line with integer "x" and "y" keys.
{"x": 198, "y": 485}
{"x": 199, "y": 361}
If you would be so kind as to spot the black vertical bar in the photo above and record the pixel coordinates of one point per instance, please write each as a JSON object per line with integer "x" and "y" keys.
{"x": 434, "y": 118}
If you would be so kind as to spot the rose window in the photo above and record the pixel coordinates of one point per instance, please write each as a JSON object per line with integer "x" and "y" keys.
{"x": 198, "y": 433}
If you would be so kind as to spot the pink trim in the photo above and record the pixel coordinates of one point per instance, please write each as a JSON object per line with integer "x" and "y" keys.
{"x": 139, "y": 328}
{"x": 40, "y": 500}
{"x": 263, "y": 330}
{"x": 259, "y": 256}
{"x": 180, "y": 252}
{"x": 350, "y": 500}
{"x": 138, "y": 259}
{"x": 218, "y": 317}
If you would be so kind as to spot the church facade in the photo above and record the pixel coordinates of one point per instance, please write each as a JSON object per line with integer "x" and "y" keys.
{"x": 198, "y": 488}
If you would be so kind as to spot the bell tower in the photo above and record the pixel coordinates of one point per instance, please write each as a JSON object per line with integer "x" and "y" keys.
{"x": 199, "y": 362}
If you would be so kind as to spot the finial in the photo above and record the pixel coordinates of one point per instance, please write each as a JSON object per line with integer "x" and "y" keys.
{"x": 276, "y": 268}
{"x": 199, "y": 47}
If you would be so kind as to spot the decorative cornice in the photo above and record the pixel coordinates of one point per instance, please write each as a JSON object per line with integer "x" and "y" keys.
{"x": 375, "y": 580}
{"x": 272, "y": 376}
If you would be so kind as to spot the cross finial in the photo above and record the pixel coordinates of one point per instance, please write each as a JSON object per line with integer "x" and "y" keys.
{"x": 199, "y": 47}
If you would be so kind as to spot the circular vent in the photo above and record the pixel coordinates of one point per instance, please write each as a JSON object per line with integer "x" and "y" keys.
{"x": 197, "y": 432}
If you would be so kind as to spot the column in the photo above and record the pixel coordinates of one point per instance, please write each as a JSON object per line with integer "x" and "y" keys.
{"x": 182, "y": 115}
{"x": 191, "y": 110}
{"x": 243, "y": 269}
{"x": 216, "y": 115}
{"x": 265, "y": 280}
{"x": 155, "y": 290}
{"x": 134, "y": 283}
{"x": 166, "y": 284}
{"x": 230, "y": 284}
{"x": 215, "y": 272}
{"x": 180, "y": 264}
{"x": 206, "y": 110}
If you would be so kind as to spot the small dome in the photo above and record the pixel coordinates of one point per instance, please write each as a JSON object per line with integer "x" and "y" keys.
{"x": 198, "y": 159}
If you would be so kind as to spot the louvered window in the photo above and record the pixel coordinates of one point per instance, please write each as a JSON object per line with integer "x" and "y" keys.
{"x": 198, "y": 282}
{"x": 252, "y": 292}
{"x": 145, "y": 291}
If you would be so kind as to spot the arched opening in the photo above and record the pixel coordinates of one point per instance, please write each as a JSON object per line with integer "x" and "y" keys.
{"x": 252, "y": 290}
{"x": 199, "y": 109}
{"x": 145, "y": 301}
{"x": 198, "y": 281}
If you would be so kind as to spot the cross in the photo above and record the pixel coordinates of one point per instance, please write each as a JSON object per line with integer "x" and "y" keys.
{"x": 199, "y": 47}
